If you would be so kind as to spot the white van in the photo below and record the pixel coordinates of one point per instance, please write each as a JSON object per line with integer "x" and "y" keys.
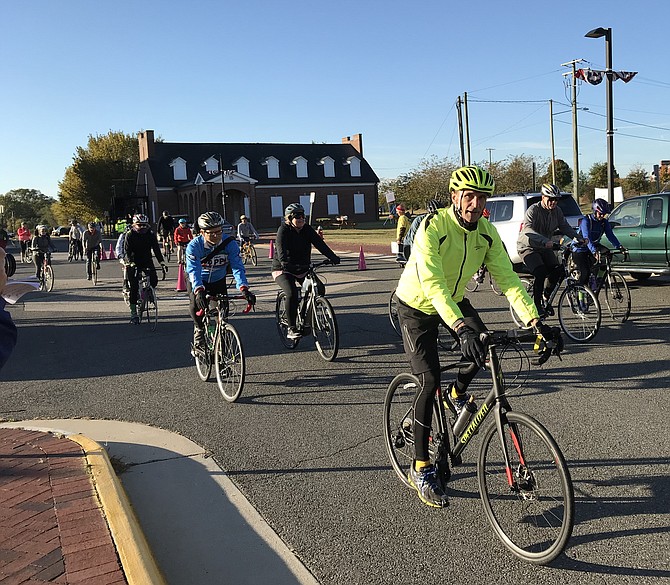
{"x": 507, "y": 212}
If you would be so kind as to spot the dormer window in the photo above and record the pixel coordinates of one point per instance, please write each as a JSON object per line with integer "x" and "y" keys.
{"x": 300, "y": 163}
{"x": 242, "y": 166}
{"x": 328, "y": 166}
{"x": 211, "y": 165}
{"x": 354, "y": 165}
{"x": 178, "y": 169}
{"x": 273, "y": 167}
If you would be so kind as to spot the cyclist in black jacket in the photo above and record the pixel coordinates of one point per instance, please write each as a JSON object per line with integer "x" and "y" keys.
{"x": 293, "y": 256}
{"x": 139, "y": 243}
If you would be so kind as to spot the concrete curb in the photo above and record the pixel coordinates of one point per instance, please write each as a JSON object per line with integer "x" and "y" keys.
{"x": 136, "y": 557}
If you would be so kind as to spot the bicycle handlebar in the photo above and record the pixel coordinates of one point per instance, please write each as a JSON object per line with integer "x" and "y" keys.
{"x": 209, "y": 297}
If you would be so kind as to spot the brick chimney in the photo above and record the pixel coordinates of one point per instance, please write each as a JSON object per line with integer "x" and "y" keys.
{"x": 356, "y": 141}
{"x": 146, "y": 141}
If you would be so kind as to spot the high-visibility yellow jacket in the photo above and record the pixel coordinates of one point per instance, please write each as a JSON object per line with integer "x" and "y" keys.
{"x": 445, "y": 256}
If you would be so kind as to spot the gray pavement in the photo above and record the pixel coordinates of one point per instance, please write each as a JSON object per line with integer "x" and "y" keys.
{"x": 199, "y": 526}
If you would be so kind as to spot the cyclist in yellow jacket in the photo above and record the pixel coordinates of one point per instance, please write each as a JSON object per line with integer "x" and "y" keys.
{"x": 448, "y": 249}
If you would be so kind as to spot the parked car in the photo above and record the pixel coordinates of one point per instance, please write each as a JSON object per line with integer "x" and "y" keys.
{"x": 641, "y": 224}
{"x": 61, "y": 230}
{"x": 507, "y": 213}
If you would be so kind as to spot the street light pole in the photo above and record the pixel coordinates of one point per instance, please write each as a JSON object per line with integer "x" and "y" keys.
{"x": 551, "y": 135}
{"x": 596, "y": 33}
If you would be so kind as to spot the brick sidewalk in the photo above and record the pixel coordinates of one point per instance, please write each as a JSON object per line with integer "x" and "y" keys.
{"x": 52, "y": 529}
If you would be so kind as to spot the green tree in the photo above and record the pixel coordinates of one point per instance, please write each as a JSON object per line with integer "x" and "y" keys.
{"x": 636, "y": 182}
{"x": 563, "y": 174}
{"x": 515, "y": 173}
{"x": 107, "y": 164}
{"x": 29, "y": 205}
{"x": 598, "y": 176}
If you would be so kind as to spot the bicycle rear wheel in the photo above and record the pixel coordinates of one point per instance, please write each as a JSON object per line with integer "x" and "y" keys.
{"x": 579, "y": 313}
{"x": 393, "y": 313}
{"x": 399, "y": 425}
{"x": 324, "y": 328}
{"x": 617, "y": 296}
{"x": 282, "y": 321}
{"x": 203, "y": 363}
{"x": 494, "y": 286}
{"x": 473, "y": 284}
{"x": 48, "y": 278}
{"x": 530, "y": 505}
{"x": 229, "y": 363}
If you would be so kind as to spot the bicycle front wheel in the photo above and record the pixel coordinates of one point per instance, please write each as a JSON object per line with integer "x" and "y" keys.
{"x": 281, "y": 319}
{"x": 253, "y": 256}
{"x": 151, "y": 308}
{"x": 494, "y": 286}
{"x": 229, "y": 363}
{"x": 530, "y": 504}
{"x": 393, "y": 314}
{"x": 579, "y": 313}
{"x": 617, "y": 296}
{"x": 473, "y": 284}
{"x": 94, "y": 273}
{"x": 48, "y": 278}
{"x": 324, "y": 328}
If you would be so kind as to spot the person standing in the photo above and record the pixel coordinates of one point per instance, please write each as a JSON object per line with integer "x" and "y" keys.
{"x": 23, "y": 233}
{"x": 402, "y": 228}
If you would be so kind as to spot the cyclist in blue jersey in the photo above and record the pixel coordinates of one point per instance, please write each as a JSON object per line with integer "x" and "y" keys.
{"x": 208, "y": 257}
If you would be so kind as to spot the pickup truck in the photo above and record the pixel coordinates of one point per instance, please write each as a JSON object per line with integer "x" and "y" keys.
{"x": 641, "y": 225}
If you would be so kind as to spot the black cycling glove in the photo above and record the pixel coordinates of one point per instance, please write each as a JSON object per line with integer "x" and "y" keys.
{"x": 200, "y": 299}
{"x": 472, "y": 347}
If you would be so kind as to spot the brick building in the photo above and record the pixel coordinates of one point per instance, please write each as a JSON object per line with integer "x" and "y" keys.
{"x": 256, "y": 179}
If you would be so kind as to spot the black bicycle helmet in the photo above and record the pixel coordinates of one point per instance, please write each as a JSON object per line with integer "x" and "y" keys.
{"x": 433, "y": 205}
{"x": 209, "y": 220}
{"x": 292, "y": 209}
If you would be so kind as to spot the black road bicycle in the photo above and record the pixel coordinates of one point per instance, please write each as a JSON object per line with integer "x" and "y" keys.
{"x": 147, "y": 303}
{"x": 315, "y": 316}
{"x": 523, "y": 479}
{"x": 222, "y": 349}
{"x": 579, "y": 312}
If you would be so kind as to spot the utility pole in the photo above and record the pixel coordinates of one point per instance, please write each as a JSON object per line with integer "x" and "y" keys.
{"x": 490, "y": 159}
{"x": 575, "y": 145}
{"x": 460, "y": 129}
{"x": 551, "y": 136}
{"x": 467, "y": 126}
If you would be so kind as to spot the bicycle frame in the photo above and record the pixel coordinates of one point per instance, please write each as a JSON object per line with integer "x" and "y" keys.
{"x": 608, "y": 270}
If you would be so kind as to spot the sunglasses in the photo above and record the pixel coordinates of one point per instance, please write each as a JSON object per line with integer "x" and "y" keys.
{"x": 298, "y": 216}
{"x": 213, "y": 232}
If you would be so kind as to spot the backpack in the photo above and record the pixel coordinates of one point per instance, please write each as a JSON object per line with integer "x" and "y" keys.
{"x": 409, "y": 236}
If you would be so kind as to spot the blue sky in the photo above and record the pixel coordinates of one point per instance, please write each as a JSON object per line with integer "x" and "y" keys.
{"x": 303, "y": 71}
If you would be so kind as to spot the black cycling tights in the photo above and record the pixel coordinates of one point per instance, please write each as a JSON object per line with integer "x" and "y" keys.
{"x": 545, "y": 281}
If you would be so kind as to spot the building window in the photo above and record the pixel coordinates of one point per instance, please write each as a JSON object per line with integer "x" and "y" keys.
{"x": 359, "y": 203}
{"x": 242, "y": 166}
{"x": 211, "y": 165}
{"x": 354, "y": 166}
{"x": 273, "y": 167}
{"x": 333, "y": 204}
{"x": 328, "y": 166}
{"x": 178, "y": 169}
{"x": 304, "y": 201}
{"x": 300, "y": 163}
{"x": 277, "y": 205}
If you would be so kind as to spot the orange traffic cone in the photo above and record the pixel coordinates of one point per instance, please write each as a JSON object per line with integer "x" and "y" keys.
{"x": 181, "y": 279}
{"x": 271, "y": 254}
{"x": 361, "y": 260}
{"x": 111, "y": 256}
{"x": 103, "y": 256}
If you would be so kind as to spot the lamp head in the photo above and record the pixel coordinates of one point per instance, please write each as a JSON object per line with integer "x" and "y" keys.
{"x": 596, "y": 33}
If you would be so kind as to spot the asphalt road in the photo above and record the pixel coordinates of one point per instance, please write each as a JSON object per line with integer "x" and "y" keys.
{"x": 304, "y": 441}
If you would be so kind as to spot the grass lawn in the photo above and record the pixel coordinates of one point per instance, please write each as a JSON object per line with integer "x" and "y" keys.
{"x": 373, "y": 232}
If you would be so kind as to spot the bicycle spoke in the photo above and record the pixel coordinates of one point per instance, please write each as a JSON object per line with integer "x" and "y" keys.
{"x": 579, "y": 313}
